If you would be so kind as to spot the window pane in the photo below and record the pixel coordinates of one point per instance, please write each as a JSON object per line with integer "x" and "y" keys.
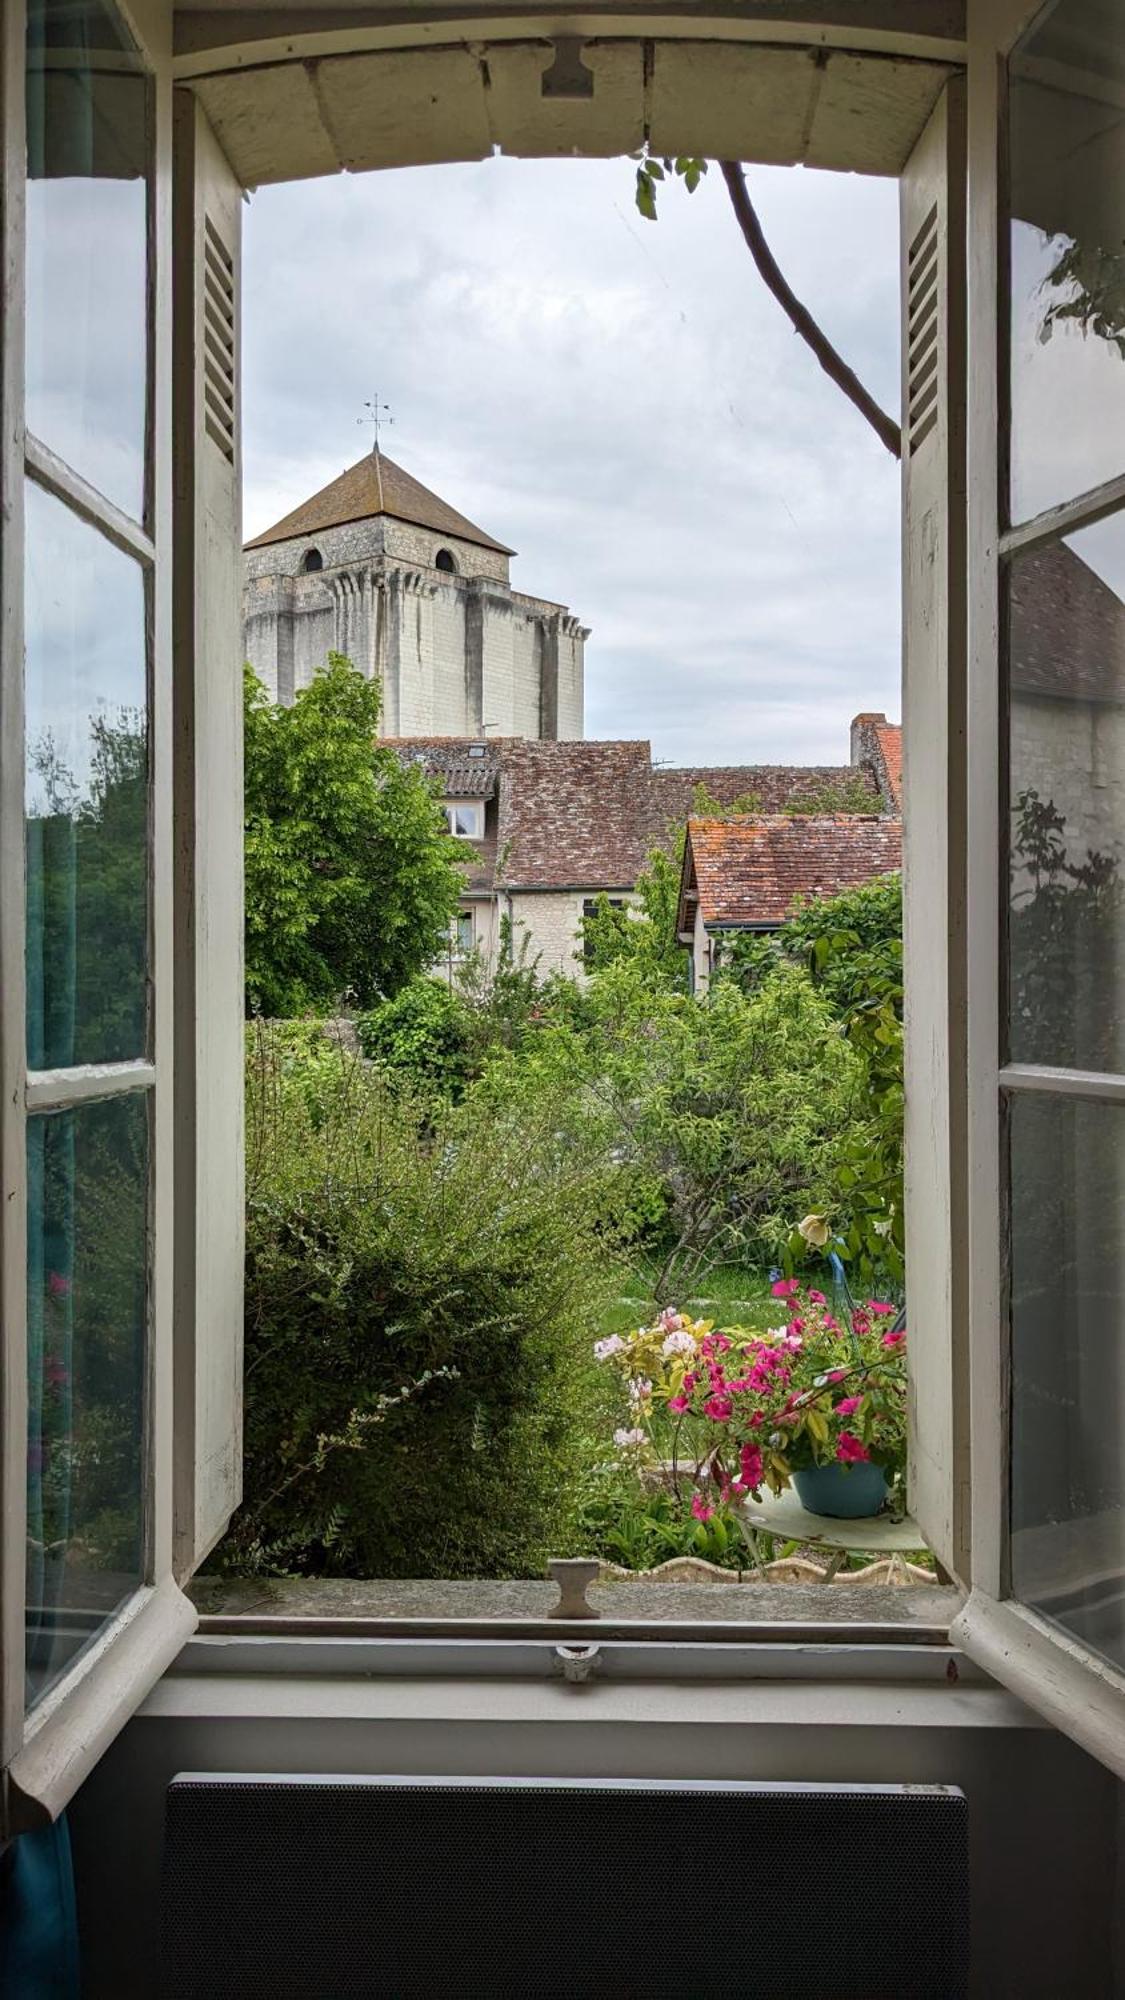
{"x": 87, "y": 793}
{"x": 87, "y": 1173}
{"x": 1068, "y": 1365}
{"x": 87, "y": 221}
{"x": 1067, "y": 256}
{"x": 1066, "y": 625}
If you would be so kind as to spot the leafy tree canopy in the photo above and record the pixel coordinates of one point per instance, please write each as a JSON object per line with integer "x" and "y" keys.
{"x": 352, "y": 878}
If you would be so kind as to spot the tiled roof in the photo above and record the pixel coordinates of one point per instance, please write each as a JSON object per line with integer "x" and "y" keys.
{"x": 1067, "y": 628}
{"x": 772, "y": 786}
{"x": 752, "y": 868}
{"x": 373, "y": 486}
{"x": 574, "y": 815}
{"x": 467, "y": 770}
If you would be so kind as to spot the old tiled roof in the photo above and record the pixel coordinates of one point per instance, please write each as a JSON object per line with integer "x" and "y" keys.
{"x": 376, "y": 485}
{"x": 772, "y": 786}
{"x": 467, "y": 769}
{"x": 752, "y": 868}
{"x": 574, "y": 815}
{"x": 586, "y": 815}
{"x": 1067, "y": 628}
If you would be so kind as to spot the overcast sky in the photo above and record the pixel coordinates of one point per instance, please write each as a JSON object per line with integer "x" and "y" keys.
{"x": 625, "y": 405}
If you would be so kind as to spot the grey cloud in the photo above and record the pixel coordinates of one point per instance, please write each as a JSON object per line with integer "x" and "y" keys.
{"x": 622, "y": 403}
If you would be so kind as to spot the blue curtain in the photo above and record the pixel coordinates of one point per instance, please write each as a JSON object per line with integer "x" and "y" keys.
{"x": 38, "y": 1920}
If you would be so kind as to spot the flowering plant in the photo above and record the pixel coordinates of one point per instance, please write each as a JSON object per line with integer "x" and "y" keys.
{"x": 751, "y": 1407}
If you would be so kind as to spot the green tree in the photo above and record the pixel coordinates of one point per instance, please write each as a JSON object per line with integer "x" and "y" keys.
{"x": 352, "y": 878}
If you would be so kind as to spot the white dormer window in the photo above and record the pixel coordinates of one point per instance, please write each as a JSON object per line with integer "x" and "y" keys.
{"x": 466, "y": 818}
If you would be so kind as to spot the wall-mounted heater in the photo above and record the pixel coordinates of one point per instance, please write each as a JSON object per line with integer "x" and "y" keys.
{"x": 337, "y": 1888}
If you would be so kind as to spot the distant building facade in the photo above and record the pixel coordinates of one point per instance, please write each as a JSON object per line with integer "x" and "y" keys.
{"x": 549, "y": 827}
{"x": 377, "y": 567}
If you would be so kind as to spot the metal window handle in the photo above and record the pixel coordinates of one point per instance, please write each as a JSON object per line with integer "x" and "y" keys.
{"x": 574, "y": 1576}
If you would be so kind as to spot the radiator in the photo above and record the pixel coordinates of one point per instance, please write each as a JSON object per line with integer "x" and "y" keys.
{"x": 332, "y": 1888}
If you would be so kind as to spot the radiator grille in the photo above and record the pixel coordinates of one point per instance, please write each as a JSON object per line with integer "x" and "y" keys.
{"x": 923, "y": 329}
{"x": 218, "y": 340}
{"x": 486, "y": 1891}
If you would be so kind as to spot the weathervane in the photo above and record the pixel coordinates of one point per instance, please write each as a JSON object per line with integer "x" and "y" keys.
{"x": 377, "y": 414}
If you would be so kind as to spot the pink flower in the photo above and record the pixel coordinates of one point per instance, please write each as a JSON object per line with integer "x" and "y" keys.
{"x": 878, "y": 1306}
{"x": 701, "y": 1508}
{"x": 831, "y": 1325}
{"x": 785, "y": 1288}
{"x": 58, "y": 1286}
{"x": 850, "y": 1449}
{"x": 893, "y": 1339}
{"x": 669, "y": 1320}
{"x": 860, "y": 1323}
{"x": 817, "y": 1299}
{"x": 836, "y": 1375}
{"x": 848, "y": 1406}
{"x": 750, "y": 1465}
{"x": 689, "y": 1383}
{"x": 678, "y": 1404}
{"x": 719, "y": 1409}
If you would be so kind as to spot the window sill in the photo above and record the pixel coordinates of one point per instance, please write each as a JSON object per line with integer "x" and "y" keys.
{"x": 831, "y": 1613}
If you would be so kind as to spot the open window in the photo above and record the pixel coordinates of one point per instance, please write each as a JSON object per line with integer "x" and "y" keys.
{"x": 1047, "y": 792}
{"x": 120, "y": 1443}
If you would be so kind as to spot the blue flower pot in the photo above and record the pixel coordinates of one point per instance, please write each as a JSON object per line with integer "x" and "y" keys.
{"x": 843, "y": 1492}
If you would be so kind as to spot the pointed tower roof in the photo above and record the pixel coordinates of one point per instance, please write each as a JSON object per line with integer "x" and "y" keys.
{"x": 376, "y": 485}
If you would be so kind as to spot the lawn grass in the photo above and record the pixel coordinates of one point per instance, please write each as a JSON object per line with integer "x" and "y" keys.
{"x": 731, "y": 1294}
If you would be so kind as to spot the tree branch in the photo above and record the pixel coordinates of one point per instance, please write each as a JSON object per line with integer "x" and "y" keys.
{"x": 799, "y": 316}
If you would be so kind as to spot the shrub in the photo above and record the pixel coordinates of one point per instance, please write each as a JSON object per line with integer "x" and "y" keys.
{"x": 388, "y": 1243}
{"x": 421, "y": 1037}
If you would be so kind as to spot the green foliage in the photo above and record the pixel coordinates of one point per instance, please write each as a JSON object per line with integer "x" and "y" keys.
{"x": 655, "y": 168}
{"x": 715, "y": 1120}
{"x": 645, "y": 936}
{"x": 851, "y": 946}
{"x": 352, "y": 876}
{"x": 849, "y": 794}
{"x": 1092, "y": 283}
{"x": 422, "y": 1036}
{"x": 1065, "y": 923}
{"x": 455, "y": 1252}
{"x": 87, "y": 895}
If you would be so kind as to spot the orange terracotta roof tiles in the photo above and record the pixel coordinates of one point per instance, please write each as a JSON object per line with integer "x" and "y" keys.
{"x": 750, "y": 870}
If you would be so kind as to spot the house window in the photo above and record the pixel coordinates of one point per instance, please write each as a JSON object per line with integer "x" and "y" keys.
{"x": 590, "y": 907}
{"x": 445, "y": 559}
{"x": 466, "y": 818}
{"x": 313, "y": 560}
{"x": 463, "y": 933}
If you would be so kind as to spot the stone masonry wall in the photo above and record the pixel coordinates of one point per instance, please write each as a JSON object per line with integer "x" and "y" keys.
{"x": 458, "y": 652}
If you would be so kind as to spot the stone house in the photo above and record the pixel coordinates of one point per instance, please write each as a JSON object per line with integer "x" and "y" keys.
{"x": 746, "y": 873}
{"x": 379, "y": 568}
{"x": 550, "y": 827}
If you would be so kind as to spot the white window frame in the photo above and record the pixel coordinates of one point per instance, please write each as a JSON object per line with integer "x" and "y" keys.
{"x": 1067, "y": 1682}
{"x": 474, "y": 807}
{"x": 46, "y": 1753}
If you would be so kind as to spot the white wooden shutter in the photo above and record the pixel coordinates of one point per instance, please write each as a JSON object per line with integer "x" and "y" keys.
{"x": 932, "y": 215}
{"x": 208, "y": 823}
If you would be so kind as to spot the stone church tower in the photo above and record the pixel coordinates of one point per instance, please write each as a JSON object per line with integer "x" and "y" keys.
{"x": 377, "y": 567}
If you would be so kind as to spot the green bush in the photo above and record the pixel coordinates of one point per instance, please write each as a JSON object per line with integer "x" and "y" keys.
{"x": 387, "y": 1243}
{"x": 421, "y": 1037}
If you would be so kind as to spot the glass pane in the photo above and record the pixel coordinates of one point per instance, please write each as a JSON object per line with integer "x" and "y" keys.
{"x": 87, "y": 223}
{"x": 1067, "y": 255}
{"x": 1068, "y": 1365}
{"x": 1066, "y": 627}
{"x": 87, "y": 793}
{"x": 87, "y": 1279}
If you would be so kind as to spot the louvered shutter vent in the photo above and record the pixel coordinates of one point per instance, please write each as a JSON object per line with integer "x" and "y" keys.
{"x": 922, "y": 333}
{"x": 218, "y": 341}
